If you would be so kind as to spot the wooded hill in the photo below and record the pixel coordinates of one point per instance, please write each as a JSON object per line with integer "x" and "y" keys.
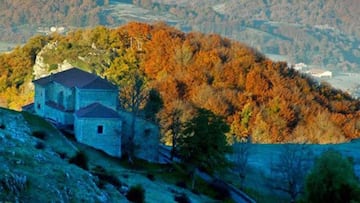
{"x": 323, "y": 33}
{"x": 260, "y": 99}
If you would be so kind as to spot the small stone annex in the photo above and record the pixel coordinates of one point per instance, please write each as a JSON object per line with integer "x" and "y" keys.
{"x": 88, "y": 104}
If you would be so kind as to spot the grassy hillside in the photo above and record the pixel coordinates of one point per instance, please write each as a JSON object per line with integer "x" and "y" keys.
{"x": 260, "y": 99}
{"x": 34, "y": 164}
{"x": 36, "y": 167}
{"x": 35, "y": 160}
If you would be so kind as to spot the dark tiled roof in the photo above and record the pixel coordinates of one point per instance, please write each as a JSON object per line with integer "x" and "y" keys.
{"x": 56, "y": 106}
{"x": 99, "y": 83}
{"x": 75, "y": 77}
{"x": 97, "y": 110}
{"x": 28, "y": 107}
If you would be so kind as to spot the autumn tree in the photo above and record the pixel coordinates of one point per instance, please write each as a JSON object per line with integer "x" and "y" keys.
{"x": 153, "y": 105}
{"x": 124, "y": 71}
{"x": 175, "y": 128}
{"x": 132, "y": 97}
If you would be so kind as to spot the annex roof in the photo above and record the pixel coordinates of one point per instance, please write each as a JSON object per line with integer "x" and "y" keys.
{"x": 75, "y": 77}
{"x": 97, "y": 110}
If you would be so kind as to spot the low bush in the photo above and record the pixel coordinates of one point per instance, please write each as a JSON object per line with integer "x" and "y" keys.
{"x": 150, "y": 176}
{"x": 221, "y": 189}
{"x": 13, "y": 183}
{"x": 195, "y": 191}
{"x": 105, "y": 177}
{"x": 181, "y": 184}
{"x": 183, "y": 198}
{"x": 136, "y": 194}
{"x": 62, "y": 155}
{"x": 40, "y": 145}
{"x": 39, "y": 134}
{"x": 80, "y": 159}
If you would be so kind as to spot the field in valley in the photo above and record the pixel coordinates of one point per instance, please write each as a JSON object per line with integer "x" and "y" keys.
{"x": 264, "y": 156}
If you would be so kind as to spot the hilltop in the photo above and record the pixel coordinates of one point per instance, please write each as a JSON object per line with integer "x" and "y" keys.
{"x": 262, "y": 100}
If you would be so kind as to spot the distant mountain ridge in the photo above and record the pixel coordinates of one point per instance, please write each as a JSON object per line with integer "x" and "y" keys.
{"x": 321, "y": 33}
{"x": 332, "y": 14}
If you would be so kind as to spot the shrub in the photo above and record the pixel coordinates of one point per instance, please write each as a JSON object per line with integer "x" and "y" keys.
{"x": 39, "y": 134}
{"x": 13, "y": 183}
{"x": 53, "y": 67}
{"x": 40, "y": 145}
{"x": 181, "y": 184}
{"x": 150, "y": 176}
{"x": 183, "y": 198}
{"x": 80, "y": 160}
{"x": 62, "y": 155}
{"x": 195, "y": 191}
{"x": 136, "y": 194}
{"x": 105, "y": 177}
{"x": 332, "y": 180}
{"x": 98, "y": 169}
{"x": 222, "y": 191}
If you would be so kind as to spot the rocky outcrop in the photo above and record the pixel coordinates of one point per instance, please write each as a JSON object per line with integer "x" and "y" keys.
{"x": 41, "y": 69}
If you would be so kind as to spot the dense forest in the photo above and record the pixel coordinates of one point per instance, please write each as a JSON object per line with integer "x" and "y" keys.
{"x": 262, "y": 100}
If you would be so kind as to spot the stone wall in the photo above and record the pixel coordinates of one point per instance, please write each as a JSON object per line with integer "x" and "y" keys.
{"x": 109, "y": 140}
{"x": 85, "y": 97}
{"x": 146, "y": 137}
{"x": 61, "y": 95}
{"x": 39, "y": 100}
{"x": 52, "y": 93}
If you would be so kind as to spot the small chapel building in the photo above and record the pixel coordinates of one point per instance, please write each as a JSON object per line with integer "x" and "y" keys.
{"x": 88, "y": 104}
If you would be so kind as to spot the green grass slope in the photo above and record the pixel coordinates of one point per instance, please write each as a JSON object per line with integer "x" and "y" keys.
{"x": 35, "y": 168}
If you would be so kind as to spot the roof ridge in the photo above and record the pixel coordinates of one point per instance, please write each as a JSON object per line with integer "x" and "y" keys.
{"x": 97, "y": 109}
{"x": 76, "y": 77}
{"x": 90, "y": 81}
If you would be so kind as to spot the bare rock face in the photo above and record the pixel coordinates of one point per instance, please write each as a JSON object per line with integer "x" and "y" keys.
{"x": 41, "y": 69}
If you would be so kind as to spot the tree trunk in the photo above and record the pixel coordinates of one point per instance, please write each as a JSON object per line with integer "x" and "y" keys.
{"x": 172, "y": 153}
{"x": 131, "y": 144}
{"x": 193, "y": 178}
